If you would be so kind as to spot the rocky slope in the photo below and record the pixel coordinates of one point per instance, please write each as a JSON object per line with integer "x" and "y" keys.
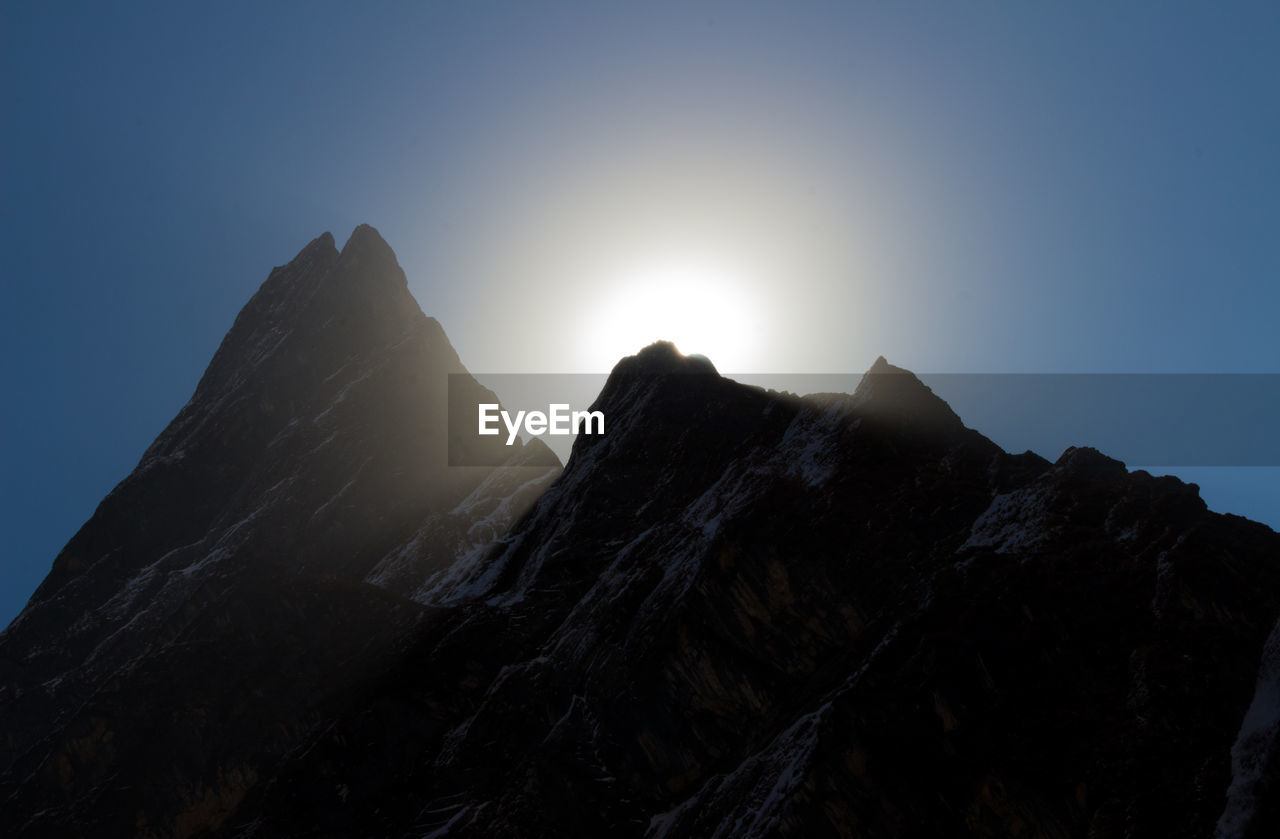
{"x": 744, "y": 614}
{"x": 738, "y": 613}
{"x": 193, "y": 629}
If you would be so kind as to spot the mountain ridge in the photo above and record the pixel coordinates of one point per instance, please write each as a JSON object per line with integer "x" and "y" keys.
{"x": 737, "y": 613}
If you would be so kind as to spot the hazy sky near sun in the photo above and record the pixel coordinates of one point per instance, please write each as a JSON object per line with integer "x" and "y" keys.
{"x": 1009, "y": 187}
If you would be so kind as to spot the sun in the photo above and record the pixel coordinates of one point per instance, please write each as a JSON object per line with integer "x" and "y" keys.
{"x": 701, "y": 306}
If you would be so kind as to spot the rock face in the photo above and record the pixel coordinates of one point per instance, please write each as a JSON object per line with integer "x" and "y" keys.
{"x": 197, "y": 626}
{"x": 737, "y": 613}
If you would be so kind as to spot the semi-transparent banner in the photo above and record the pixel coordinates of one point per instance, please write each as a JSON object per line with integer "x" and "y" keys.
{"x": 1165, "y": 419}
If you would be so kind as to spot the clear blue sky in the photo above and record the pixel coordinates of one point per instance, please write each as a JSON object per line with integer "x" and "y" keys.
{"x": 995, "y": 187}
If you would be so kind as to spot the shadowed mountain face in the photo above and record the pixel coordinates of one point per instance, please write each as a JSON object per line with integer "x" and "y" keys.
{"x": 737, "y": 613}
{"x": 194, "y": 628}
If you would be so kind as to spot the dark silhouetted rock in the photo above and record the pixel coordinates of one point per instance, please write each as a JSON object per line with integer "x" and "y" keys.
{"x": 741, "y": 614}
{"x": 737, "y": 613}
{"x": 221, "y": 598}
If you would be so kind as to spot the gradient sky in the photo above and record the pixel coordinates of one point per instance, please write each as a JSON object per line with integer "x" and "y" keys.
{"x": 960, "y": 187}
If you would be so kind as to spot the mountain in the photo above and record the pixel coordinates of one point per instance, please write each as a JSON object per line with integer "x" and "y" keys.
{"x": 223, "y": 594}
{"x": 739, "y": 613}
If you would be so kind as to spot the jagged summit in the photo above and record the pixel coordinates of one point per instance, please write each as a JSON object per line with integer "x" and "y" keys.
{"x": 366, "y": 235}
{"x": 736, "y": 612}
{"x": 323, "y": 242}
{"x": 895, "y": 395}
{"x": 313, "y": 450}
{"x": 664, "y": 357}
{"x": 1088, "y": 460}
{"x": 366, "y": 245}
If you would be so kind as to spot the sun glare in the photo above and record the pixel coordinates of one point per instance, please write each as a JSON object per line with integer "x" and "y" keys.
{"x": 700, "y": 307}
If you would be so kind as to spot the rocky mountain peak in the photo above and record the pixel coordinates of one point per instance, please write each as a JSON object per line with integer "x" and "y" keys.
{"x": 313, "y": 450}
{"x": 897, "y": 396}
{"x": 324, "y": 243}
{"x": 664, "y": 357}
{"x": 1086, "y": 460}
{"x": 737, "y": 612}
{"x": 367, "y": 236}
{"x": 366, "y": 248}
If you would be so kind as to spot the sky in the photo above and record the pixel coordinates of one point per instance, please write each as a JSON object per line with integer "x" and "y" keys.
{"x": 785, "y": 187}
